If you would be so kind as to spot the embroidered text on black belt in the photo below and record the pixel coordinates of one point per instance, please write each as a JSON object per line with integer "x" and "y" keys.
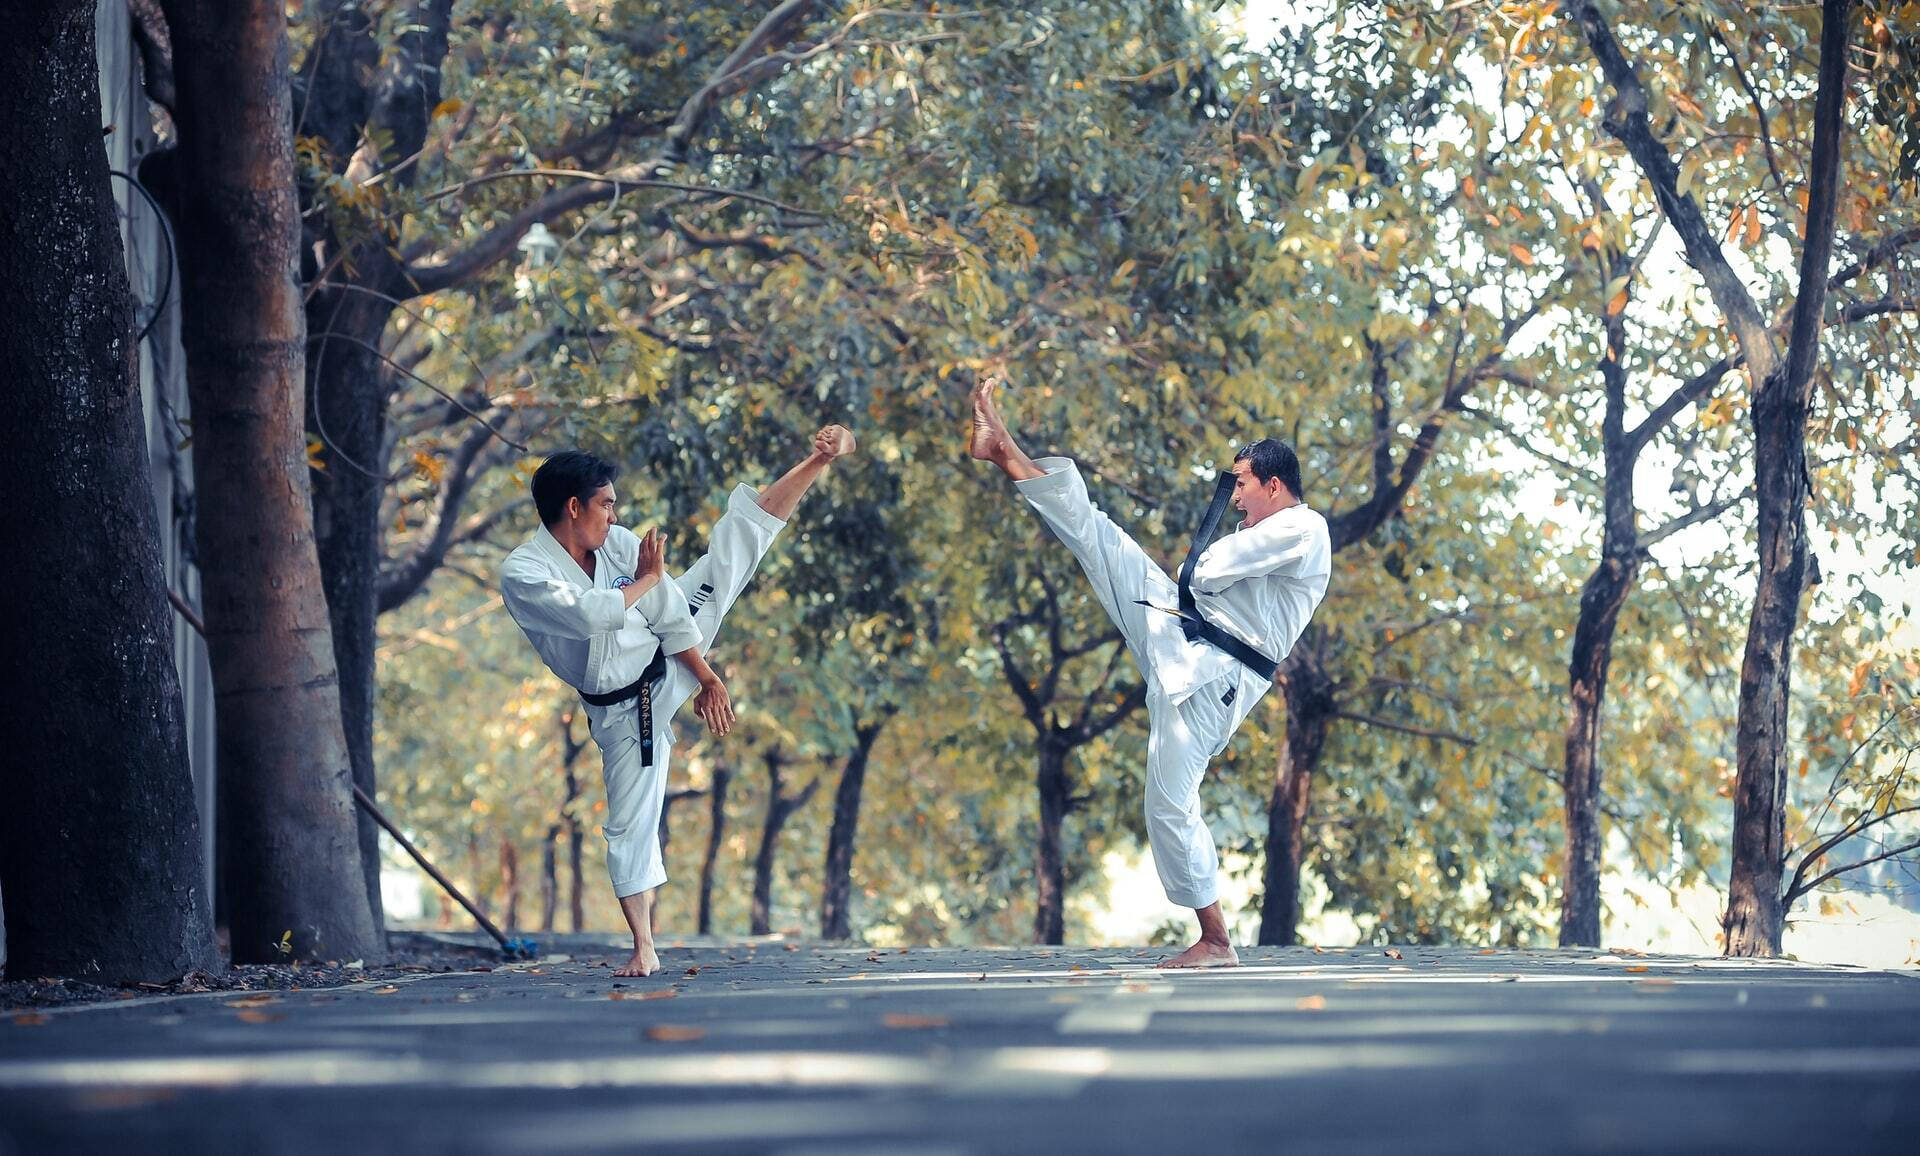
{"x": 642, "y": 689}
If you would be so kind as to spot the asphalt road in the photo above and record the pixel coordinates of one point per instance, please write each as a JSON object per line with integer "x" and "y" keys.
{"x": 767, "y": 1048}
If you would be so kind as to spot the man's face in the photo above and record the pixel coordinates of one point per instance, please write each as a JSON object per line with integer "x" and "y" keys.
{"x": 1257, "y": 499}
{"x": 592, "y": 517}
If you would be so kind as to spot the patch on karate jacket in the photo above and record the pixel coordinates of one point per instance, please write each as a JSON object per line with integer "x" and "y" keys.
{"x": 1226, "y": 699}
{"x": 700, "y": 597}
{"x": 622, "y": 582}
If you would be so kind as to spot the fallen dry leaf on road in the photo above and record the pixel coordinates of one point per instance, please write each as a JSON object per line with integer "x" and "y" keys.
{"x": 675, "y": 1033}
{"x": 250, "y": 1001}
{"x": 30, "y": 1019}
{"x": 1637, "y": 967}
{"x": 1311, "y": 1003}
{"x": 387, "y": 990}
{"x": 258, "y": 1017}
{"x": 1391, "y": 953}
{"x": 792, "y": 946}
{"x": 694, "y": 970}
{"x": 908, "y": 1020}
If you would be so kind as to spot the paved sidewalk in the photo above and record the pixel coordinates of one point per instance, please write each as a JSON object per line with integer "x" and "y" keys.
{"x": 768, "y": 1047}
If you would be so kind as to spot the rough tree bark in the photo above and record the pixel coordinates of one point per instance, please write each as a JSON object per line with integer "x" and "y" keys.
{"x": 716, "y": 832}
{"x": 291, "y": 855}
{"x": 99, "y": 838}
{"x": 836, "y": 917}
{"x": 780, "y": 808}
{"x": 1756, "y": 907}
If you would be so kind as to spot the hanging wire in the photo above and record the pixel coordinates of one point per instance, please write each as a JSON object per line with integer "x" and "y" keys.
{"x": 166, "y": 230}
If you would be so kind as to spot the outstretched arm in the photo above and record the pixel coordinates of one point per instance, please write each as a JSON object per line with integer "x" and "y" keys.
{"x": 783, "y": 496}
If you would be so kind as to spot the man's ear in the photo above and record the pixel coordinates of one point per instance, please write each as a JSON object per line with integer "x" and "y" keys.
{"x": 574, "y": 508}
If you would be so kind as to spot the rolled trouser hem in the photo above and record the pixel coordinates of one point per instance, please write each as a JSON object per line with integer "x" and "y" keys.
{"x": 639, "y": 883}
{"x": 1193, "y": 899}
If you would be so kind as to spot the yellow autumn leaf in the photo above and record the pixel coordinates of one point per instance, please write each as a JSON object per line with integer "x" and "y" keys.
{"x": 1736, "y": 223}
{"x": 447, "y": 107}
{"x": 1469, "y": 186}
{"x": 1858, "y": 680}
{"x": 1521, "y": 253}
{"x": 1753, "y": 227}
{"x": 1616, "y": 303}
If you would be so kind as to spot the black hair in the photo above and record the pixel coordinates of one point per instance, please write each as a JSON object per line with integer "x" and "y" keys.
{"x": 568, "y": 474}
{"x": 1269, "y": 458}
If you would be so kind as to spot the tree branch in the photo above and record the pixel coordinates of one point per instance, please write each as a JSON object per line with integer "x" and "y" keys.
{"x": 1406, "y": 728}
{"x": 494, "y": 245}
{"x": 1692, "y": 517}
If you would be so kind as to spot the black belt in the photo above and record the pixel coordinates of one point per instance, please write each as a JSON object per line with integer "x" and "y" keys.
{"x": 642, "y": 689}
{"x": 1196, "y": 628}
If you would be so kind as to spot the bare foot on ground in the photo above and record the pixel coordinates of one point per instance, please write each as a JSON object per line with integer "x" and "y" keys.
{"x": 644, "y": 962}
{"x": 1204, "y": 954}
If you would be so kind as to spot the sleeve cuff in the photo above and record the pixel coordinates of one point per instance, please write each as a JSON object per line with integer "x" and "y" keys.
{"x": 745, "y": 501}
{"x": 1061, "y": 473}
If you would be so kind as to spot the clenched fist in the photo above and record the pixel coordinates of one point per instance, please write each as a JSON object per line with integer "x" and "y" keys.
{"x": 833, "y": 441}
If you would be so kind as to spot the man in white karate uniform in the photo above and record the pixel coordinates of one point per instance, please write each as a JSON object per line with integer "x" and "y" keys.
{"x": 1207, "y": 646}
{"x": 599, "y": 607}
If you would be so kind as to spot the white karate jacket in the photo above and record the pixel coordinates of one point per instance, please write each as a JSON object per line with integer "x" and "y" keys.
{"x": 581, "y": 626}
{"x": 1261, "y": 583}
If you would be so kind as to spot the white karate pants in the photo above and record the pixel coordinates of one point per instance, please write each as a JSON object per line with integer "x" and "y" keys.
{"x": 1181, "y": 737}
{"x": 636, "y": 794}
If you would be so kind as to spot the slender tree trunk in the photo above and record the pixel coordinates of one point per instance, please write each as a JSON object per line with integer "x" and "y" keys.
{"x": 1756, "y": 911}
{"x": 666, "y": 836}
{"x": 100, "y": 848}
{"x": 510, "y": 882}
{"x": 716, "y": 831}
{"x": 287, "y": 818}
{"x": 780, "y": 807}
{"x": 576, "y": 895}
{"x": 1050, "y": 863}
{"x": 549, "y": 878}
{"x": 836, "y": 920}
{"x": 1600, "y": 602}
{"x": 1310, "y": 708}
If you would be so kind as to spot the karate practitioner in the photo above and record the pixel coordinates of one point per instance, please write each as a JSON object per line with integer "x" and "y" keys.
{"x": 599, "y": 607}
{"x": 1252, "y": 592}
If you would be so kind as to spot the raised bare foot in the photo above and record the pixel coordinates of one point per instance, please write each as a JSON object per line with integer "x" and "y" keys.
{"x": 1204, "y": 954}
{"x": 989, "y": 440}
{"x": 644, "y": 962}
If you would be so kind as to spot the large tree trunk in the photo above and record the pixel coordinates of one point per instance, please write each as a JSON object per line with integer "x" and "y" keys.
{"x": 716, "y": 831}
{"x": 1310, "y": 709}
{"x": 836, "y": 921}
{"x": 100, "y": 848}
{"x": 288, "y": 827}
{"x": 347, "y": 410}
{"x": 1756, "y": 910}
{"x": 1050, "y": 864}
{"x": 1600, "y": 602}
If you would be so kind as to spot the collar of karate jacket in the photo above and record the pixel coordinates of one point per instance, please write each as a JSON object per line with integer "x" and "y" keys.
{"x": 549, "y": 545}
